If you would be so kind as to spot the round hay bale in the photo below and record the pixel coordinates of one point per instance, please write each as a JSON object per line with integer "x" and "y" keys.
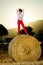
{"x": 24, "y": 48}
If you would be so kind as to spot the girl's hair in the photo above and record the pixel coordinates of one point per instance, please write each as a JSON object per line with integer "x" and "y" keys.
{"x": 20, "y": 10}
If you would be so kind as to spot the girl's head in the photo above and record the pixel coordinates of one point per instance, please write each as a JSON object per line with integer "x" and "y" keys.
{"x": 20, "y": 11}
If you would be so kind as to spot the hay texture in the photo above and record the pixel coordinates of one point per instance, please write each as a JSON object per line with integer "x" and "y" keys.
{"x": 24, "y": 48}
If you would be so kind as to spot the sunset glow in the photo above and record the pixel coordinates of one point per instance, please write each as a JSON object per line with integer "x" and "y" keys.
{"x": 8, "y": 15}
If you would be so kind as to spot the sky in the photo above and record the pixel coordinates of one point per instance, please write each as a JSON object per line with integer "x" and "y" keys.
{"x": 33, "y": 10}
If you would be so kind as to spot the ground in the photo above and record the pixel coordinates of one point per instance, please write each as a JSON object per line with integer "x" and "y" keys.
{"x": 4, "y": 57}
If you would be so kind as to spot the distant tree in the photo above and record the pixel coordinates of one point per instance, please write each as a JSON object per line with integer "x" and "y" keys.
{"x": 40, "y": 35}
{"x": 3, "y": 31}
{"x": 29, "y": 30}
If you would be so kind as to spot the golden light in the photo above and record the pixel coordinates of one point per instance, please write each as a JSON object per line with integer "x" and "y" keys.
{"x": 12, "y": 18}
{"x": 8, "y": 12}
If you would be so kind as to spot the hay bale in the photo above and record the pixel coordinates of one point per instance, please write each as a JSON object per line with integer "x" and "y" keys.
{"x": 24, "y": 48}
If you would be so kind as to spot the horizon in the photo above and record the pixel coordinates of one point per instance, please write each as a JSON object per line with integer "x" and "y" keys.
{"x": 33, "y": 10}
{"x": 28, "y": 24}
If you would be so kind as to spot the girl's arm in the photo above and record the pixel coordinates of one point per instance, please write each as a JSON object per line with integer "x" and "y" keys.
{"x": 17, "y": 11}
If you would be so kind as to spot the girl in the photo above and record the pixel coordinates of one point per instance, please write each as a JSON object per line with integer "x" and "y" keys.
{"x": 20, "y": 13}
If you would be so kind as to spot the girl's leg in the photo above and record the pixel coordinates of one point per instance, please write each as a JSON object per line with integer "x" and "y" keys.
{"x": 24, "y": 28}
{"x": 18, "y": 27}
